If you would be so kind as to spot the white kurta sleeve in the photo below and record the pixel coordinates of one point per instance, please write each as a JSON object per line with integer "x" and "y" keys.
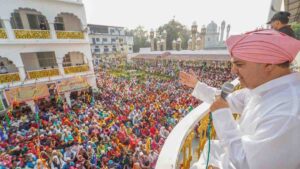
{"x": 205, "y": 93}
{"x": 229, "y": 134}
{"x": 274, "y": 144}
{"x": 237, "y": 99}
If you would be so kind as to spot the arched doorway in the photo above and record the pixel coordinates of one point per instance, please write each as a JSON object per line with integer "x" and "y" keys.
{"x": 8, "y": 71}
{"x": 26, "y": 18}
{"x": 67, "y": 22}
{"x": 75, "y": 62}
{"x": 68, "y": 26}
{"x": 29, "y": 24}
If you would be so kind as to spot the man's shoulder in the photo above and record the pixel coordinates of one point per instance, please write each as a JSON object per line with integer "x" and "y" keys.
{"x": 287, "y": 30}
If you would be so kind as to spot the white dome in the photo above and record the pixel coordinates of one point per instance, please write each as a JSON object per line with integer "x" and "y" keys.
{"x": 212, "y": 27}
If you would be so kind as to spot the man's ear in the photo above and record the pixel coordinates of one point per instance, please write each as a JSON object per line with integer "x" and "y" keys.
{"x": 269, "y": 67}
{"x": 278, "y": 24}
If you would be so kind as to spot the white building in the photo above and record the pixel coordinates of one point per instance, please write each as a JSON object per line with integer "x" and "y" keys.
{"x": 44, "y": 42}
{"x": 215, "y": 36}
{"x": 108, "y": 40}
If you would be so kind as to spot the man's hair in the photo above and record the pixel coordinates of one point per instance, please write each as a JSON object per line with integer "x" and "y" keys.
{"x": 282, "y": 16}
{"x": 284, "y": 64}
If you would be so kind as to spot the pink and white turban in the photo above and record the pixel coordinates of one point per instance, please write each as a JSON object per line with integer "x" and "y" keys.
{"x": 263, "y": 46}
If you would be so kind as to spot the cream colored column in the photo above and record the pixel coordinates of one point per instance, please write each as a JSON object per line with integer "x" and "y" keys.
{"x": 9, "y": 31}
{"x": 60, "y": 66}
{"x": 52, "y": 31}
{"x": 22, "y": 72}
{"x": 68, "y": 98}
{"x": 91, "y": 65}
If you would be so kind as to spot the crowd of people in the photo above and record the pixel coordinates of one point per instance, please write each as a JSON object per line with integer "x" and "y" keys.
{"x": 122, "y": 126}
{"x": 215, "y": 74}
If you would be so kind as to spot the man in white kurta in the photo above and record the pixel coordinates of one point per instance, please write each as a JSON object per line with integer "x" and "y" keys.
{"x": 267, "y": 136}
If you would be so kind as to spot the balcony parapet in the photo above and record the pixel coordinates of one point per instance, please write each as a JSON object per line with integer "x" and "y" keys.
{"x": 32, "y": 34}
{"x": 69, "y": 35}
{"x": 179, "y": 142}
{"x": 76, "y": 69}
{"x": 42, "y": 73}
{"x": 9, "y": 77}
{"x": 3, "y": 34}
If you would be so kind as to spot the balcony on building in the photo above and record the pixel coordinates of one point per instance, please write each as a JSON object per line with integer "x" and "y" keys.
{"x": 97, "y": 50}
{"x": 29, "y": 24}
{"x": 186, "y": 141}
{"x": 75, "y": 62}
{"x": 8, "y": 71}
{"x": 72, "y": 1}
{"x": 40, "y": 65}
{"x": 106, "y": 49}
{"x": 114, "y": 49}
{"x": 68, "y": 26}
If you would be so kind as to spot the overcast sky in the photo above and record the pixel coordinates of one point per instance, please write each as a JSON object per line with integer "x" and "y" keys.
{"x": 242, "y": 15}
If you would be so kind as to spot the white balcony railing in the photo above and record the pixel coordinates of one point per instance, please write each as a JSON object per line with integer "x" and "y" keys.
{"x": 71, "y": 1}
{"x": 171, "y": 152}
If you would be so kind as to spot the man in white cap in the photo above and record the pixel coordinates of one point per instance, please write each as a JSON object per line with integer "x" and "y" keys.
{"x": 267, "y": 134}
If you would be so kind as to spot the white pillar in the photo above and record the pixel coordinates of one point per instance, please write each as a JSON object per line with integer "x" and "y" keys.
{"x": 52, "y": 31}
{"x": 91, "y": 65}
{"x": 31, "y": 104}
{"x": 9, "y": 31}
{"x": 59, "y": 62}
{"x": 68, "y": 99}
{"x": 22, "y": 73}
{"x": 92, "y": 81}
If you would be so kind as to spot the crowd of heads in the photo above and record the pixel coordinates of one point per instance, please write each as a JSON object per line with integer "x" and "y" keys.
{"x": 123, "y": 125}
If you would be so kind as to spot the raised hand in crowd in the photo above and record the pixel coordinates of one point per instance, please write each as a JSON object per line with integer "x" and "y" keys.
{"x": 188, "y": 79}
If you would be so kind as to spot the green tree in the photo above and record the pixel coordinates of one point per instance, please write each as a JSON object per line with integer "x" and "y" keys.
{"x": 296, "y": 28}
{"x": 140, "y": 36}
{"x": 174, "y": 30}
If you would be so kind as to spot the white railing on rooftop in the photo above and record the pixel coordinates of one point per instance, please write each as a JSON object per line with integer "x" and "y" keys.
{"x": 170, "y": 153}
{"x": 75, "y": 1}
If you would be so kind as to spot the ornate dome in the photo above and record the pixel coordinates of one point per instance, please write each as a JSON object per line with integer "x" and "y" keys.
{"x": 212, "y": 27}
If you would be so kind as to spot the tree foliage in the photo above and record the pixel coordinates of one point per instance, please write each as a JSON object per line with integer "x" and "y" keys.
{"x": 140, "y": 36}
{"x": 296, "y": 28}
{"x": 174, "y": 30}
